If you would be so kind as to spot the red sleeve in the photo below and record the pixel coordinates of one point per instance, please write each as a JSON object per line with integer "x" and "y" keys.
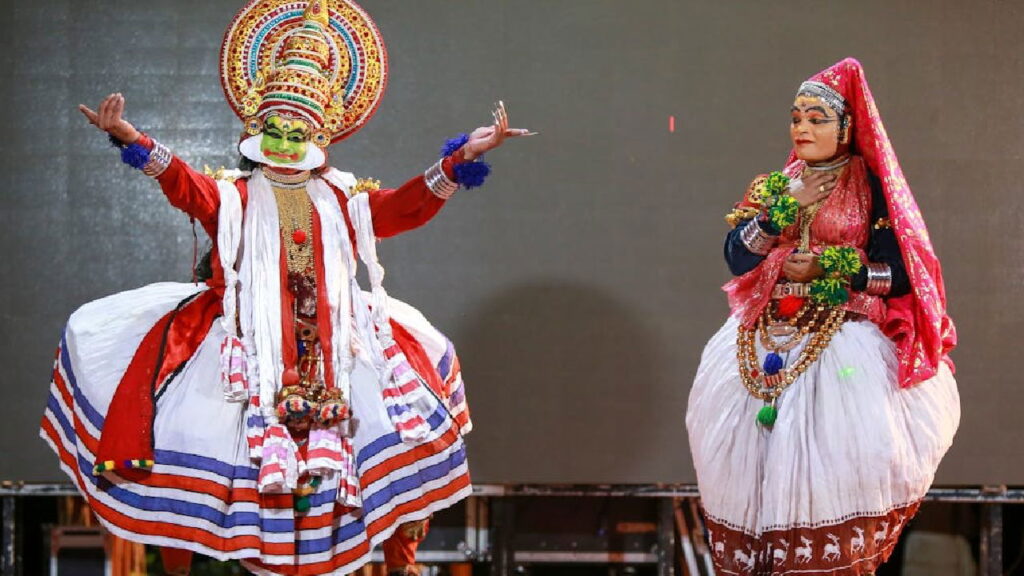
{"x": 406, "y": 208}
{"x": 192, "y": 192}
{"x": 189, "y": 191}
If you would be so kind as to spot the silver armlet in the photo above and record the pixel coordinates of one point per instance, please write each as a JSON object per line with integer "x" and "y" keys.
{"x": 879, "y": 279}
{"x": 438, "y": 181}
{"x": 159, "y": 160}
{"x": 756, "y": 240}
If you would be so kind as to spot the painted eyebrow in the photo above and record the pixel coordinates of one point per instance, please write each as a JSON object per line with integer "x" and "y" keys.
{"x": 810, "y": 109}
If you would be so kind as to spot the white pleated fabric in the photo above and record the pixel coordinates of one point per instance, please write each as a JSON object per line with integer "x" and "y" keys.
{"x": 848, "y": 443}
{"x": 202, "y": 492}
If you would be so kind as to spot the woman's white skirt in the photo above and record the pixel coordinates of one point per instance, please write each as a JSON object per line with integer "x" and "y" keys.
{"x": 829, "y": 487}
{"x": 201, "y": 494}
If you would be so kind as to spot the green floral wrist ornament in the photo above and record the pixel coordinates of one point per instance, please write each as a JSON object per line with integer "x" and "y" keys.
{"x": 839, "y": 263}
{"x": 782, "y": 208}
{"x": 784, "y": 211}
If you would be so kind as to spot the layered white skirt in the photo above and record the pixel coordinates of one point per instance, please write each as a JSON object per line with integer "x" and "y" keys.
{"x": 201, "y": 494}
{"x": 829, "y": 487}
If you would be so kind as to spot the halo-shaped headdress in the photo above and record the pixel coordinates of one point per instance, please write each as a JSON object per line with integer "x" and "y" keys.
{"x": 322, "y": 61}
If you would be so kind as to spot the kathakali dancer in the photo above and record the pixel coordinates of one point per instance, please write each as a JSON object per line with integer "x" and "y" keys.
{"x": 821, "y": 409}
{"x": 277, "y": 413}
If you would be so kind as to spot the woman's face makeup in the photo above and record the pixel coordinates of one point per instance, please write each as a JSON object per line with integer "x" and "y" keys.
{"x": 814, "y": 129}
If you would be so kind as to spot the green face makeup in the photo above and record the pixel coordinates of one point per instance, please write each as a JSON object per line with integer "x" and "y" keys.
{"x": 285, "y": 140}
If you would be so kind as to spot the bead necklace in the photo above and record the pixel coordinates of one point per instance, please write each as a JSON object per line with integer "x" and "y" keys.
{"x": 768, "y": 383}
{"x": 790, "y": 328}
{"x": 282, "y": 180}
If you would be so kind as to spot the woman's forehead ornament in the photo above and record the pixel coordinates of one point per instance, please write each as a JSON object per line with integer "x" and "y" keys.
{"x": 825, "y": 93}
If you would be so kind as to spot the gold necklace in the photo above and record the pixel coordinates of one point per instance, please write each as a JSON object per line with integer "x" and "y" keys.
{"x": 287, "y": 180}
{"x": 295, "y": 219}
{"x": 768, "y": 387}
{"x": 808, "y": 213}
{"x": 796, "y": 334}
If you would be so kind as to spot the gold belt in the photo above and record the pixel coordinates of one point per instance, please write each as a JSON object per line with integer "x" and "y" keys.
{"x": 784, "y": 289}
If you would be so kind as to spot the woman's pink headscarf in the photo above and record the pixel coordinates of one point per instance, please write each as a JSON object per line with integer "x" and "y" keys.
{"x": 917, "y": 322}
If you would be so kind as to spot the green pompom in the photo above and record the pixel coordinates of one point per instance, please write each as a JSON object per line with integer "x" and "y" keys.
{"x": 784, "y": 211}
{"x": 830, "y": 291}
{"x": 776, "y": 183}
{"x": 840, "y": 261}
{"x": 767, "y": 415}
{"x": 302, "y": 504}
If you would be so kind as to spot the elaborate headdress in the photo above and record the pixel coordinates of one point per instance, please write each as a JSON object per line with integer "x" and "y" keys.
{"x": 918, "y": 324}
{"x": 320, "y": 61}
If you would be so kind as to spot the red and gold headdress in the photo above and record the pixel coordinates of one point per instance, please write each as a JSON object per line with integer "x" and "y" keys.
{"x": 320, "y": 61}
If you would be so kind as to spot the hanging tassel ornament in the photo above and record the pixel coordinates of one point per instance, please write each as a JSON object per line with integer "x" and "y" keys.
{"x": 302, "y": 494}
{"x": 767, "y": 415}
{"x": 772, "y": 366}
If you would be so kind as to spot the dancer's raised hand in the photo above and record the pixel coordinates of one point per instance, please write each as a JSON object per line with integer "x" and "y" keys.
{"x": 109, "y": 119}
{"x": 490, "y": 137}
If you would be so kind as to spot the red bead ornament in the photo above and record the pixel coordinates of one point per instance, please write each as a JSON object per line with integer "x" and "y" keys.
{"x": 789, "y": 306}
{"x": 290, "y": 377}
{"x": 299, "y": 236}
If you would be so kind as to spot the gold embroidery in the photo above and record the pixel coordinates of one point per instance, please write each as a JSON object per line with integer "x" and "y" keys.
{"x": 365, "y": 185}
{"x": 740, "y": 214}
{"x": 219, "y": 174}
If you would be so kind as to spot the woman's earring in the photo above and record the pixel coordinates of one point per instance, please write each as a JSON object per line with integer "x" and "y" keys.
{"x": 844, "y": 130}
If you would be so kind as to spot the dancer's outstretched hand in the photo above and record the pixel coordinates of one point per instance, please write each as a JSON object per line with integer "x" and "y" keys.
{"x": 109, "y": 119}
{"x": 490, "y": 137}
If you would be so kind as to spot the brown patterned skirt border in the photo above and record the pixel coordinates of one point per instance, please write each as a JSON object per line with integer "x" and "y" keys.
{"x": 853, "y": 546}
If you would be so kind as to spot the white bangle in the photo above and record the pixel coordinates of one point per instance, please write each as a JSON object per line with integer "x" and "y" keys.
{"x": 879, "y": 279}
{"x": 159, "y": 159}
{"x": 438, "y": 181}
{"x": 757, "y": 240}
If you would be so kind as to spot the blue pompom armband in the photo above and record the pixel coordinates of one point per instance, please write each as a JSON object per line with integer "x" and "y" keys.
{"x": 472, "y": 174}
{"x": 135, "y": 155}
{"x": 452, "y": 145}
{"x": 468, "y": 174}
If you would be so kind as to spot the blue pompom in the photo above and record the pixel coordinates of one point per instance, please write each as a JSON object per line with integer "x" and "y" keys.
{"x": 773, "y": 363}
{"x": 135, "y": 155}
{"x": 472, "y": 174}
{"x": 453, "y": 144}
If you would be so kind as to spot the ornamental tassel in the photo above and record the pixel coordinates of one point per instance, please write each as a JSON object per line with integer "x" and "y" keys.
{"x": 767, "y": 415}
{"x": 281, "y": 465}
{"x": 234, "y": 370}
{"x": 324, "y": 452}
{"x": 255, "y": 428}
{"x": 773, "y": 364}
{"x": 349, "y": 492}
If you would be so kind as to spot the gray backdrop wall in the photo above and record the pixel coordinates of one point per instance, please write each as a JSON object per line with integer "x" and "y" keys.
{"x": 583, "y": 281}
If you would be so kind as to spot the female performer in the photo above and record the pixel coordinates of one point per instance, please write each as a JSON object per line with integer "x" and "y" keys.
{"x": 276, "y": 414}
{"x": 823, "y": 406}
